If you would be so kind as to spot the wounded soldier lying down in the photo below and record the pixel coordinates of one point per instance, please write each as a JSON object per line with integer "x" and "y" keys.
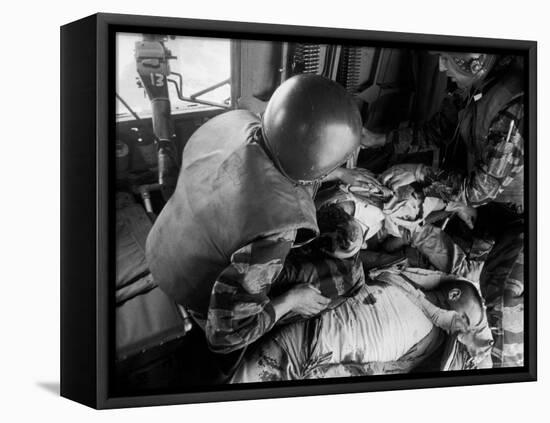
{"x": 390, "y": 326}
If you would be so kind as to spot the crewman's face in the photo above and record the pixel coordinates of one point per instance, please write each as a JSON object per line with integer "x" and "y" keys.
{"x": 462, "y": 80}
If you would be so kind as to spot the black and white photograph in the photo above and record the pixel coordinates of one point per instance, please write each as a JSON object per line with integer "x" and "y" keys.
{"x": 291, "y": 210}
{"x": 275, "y": 212}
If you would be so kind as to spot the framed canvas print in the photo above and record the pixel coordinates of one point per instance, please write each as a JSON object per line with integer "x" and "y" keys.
{"x": 255, "y": 211}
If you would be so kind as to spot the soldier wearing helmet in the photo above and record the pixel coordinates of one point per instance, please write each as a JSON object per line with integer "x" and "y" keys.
{"x": 484, "y": 119}
{"x": 466, "y": 69}
{"x": 244, "y": 198}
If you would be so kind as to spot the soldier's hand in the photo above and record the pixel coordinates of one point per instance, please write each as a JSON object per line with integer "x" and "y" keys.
{"x": 358, "y": 177}
{"x": 307, "y": 301}
{"x": 401, "y": 175}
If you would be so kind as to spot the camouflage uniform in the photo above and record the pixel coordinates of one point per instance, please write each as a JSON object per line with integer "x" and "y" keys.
{"x": 240, "y": 309}
{"x": 503, "y": 155}
{"x": 489, "y": 124}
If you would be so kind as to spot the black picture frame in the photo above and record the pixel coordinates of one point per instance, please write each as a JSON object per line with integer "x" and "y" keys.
{"x": 87, "y": 110}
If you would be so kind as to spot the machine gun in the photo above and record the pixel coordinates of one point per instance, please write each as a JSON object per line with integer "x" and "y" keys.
{"x": 152, "y": 61}
{"x": 153, "y": 69}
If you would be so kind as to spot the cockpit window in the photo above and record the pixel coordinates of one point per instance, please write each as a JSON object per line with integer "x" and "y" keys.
{"x": 203, "y": 63}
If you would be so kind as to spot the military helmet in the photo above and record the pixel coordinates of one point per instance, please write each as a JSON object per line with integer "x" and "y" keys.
{"x": 311, "y": 126}
{"x": 473, "y": 65}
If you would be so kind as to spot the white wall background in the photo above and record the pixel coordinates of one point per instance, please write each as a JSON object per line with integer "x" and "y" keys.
{"x": 29, "y": 238}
